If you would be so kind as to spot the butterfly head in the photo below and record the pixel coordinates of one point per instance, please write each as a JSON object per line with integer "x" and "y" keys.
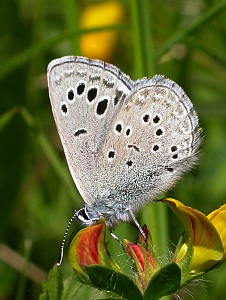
{"x": 84, "y": 216}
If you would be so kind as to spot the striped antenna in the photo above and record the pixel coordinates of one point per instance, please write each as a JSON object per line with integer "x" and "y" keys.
{"x": 64, "y": 239}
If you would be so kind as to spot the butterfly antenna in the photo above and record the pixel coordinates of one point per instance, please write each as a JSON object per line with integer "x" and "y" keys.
{"x": 64, "y": 239}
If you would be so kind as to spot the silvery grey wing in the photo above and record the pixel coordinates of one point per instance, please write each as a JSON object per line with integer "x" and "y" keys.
{"x": 85, "y": 97}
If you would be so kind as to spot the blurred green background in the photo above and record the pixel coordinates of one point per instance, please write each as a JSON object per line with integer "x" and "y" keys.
{"x": 185, "y": 40}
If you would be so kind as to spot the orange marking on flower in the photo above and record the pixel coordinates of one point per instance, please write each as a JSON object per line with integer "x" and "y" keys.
{"x": 87, "y": 247}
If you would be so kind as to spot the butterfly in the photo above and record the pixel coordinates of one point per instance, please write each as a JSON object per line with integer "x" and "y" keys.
{"x": 125, "y": 141}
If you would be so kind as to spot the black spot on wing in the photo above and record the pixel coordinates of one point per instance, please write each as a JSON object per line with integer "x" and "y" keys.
{"x": 80, "y": 131}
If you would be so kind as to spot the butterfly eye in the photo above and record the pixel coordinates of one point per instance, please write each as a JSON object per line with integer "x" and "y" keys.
{"x": 84, "y": 214}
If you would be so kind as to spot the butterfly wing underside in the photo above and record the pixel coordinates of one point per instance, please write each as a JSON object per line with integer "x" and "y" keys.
{"x": 85, "y": 96}
{"x": 151, "y": 142}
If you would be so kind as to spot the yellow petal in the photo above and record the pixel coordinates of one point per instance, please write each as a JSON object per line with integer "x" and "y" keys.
{"x": 207, "y": 245}
{"x": 218, "y": 219}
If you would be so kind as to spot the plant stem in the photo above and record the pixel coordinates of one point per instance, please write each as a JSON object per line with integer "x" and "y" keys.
{"x": 144, "y": 66}
{"x": 71, "y": 13}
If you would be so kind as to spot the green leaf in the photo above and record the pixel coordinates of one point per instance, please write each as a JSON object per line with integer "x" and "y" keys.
{"x": 24, "y": 56}
{"x": 53, "y": 285}
{"x": 71, "y": 289}
{"x": 6, "y": 117}
{"x": 165, "y": 282}
{"x": 106, "y": 279}
{"x": 190, "y": 29}
{"x": 111, "y": 298}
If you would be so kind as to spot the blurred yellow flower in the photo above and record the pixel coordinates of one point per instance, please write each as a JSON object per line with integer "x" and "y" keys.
{"x": 102, "y": 44}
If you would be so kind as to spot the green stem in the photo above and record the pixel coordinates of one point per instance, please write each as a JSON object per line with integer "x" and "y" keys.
{"x": 22, "y": 280}
{"x": 144, "y": 66}
{"x": 137, "y": 42}
{"x": 143, "y": 59}
{"x": 71, "y": 13}
{"x": 142, "y": 38}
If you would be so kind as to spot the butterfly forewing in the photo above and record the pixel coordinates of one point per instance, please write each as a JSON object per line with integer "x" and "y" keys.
{"x": 85, "y": 96}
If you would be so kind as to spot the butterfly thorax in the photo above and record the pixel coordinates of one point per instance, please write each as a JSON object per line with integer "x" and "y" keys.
{"x": 88, "y": 215}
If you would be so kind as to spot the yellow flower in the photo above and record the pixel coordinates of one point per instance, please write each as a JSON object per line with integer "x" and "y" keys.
{"x": 218, "y": 219}
{"x": 101, "y": 44}
{"x": 207, "y": 233}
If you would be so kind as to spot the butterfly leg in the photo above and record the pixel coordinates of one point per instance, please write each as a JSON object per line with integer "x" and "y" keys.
{"x": 118, "y": 240}
{"x": 137, "y": 224}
